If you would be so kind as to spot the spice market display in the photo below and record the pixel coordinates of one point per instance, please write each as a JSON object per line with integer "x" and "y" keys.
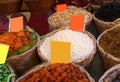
{"x": 26, "y": 47}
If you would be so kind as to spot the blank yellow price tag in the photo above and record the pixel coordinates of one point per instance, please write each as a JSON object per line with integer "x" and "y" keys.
{"x": 3, "y": 52}
{"x": 60, "y": 52}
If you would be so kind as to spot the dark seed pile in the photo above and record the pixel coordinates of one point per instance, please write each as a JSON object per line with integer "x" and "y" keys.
{"x": 109, "y": 12}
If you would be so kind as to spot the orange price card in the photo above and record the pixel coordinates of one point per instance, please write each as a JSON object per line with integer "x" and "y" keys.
{"x": 77, "y": 23}
{"x": 3, "y": 52}
{"x": 61, "y": 7}
{"x": 60, "y": 52}
{"x": 16, "y": 24}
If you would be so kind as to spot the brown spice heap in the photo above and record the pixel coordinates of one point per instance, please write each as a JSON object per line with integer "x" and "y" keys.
{"x": 15, "y": 39}
{"x": 110, "y": 42}
{"x": 57, "y": 73}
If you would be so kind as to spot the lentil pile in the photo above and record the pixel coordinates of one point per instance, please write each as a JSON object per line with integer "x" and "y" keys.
{"x": 109, "y": 12}
{"x": 81, "y": 44}
{"x": 57, "y": 73}
{"x": 110, "y": 42}
{"x": 114, "y": 76}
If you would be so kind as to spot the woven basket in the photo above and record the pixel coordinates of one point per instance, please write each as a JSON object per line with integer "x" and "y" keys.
{"x": 102, "y": 25}
{"x": 107, "y": 59}
{"x": 56, "y": 25}
{"x": 85, "y": 63}
{"x": 94, "y": 7}
{"x": 10, "y": 6}
{"x": 39, "y": 5}
{"x": 43, "y": 65}
{"x": 23, "y": 62}
{"x": 113, "y": 69}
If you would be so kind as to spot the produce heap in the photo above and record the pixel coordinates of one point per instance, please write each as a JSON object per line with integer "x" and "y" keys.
{"x": 19, "y": 41}
{"x": 5, "y": 74}
{"x": 57, "y": 73}
{"x": 81, "y": 44}
{"x": 109, "y": 12}
{"x": 110, "y": 42}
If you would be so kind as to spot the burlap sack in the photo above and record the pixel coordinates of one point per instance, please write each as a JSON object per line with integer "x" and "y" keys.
{"x": 10, "y": 6}
{"x": 42, "y": 6}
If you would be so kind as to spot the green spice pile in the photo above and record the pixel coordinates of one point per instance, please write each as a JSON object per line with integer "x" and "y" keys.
{"x": 110, "y": 42}
{"x": 109, "y": 12}
{"x": 5, "y": 74}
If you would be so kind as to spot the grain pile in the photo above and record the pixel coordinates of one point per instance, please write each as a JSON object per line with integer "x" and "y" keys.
{"x": 81, "y": 44}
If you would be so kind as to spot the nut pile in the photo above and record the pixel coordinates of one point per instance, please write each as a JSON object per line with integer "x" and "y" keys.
{"x": 65, "y": 16}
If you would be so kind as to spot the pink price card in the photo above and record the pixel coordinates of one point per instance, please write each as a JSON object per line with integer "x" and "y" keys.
{"x": 16, "y": 24}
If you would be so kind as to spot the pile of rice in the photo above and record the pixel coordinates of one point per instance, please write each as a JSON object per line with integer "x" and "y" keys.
{"x": 81, "y": 44}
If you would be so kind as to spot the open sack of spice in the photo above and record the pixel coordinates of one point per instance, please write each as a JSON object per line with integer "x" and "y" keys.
{"x": 109, "y": 46}
{"x": 107, "y": 16}
{"x": 58, "y": 72}
{"x": 22, "y": 53}
{"x": 111, "y": 75}
{"x": 6, "y": 73}
{"x": 95, "y": 4}
{"x": 58, "y": 19}
{"x": 83, "y": 45}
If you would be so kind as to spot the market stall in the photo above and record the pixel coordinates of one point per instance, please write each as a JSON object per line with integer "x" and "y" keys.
{"x": 93, "y": 40}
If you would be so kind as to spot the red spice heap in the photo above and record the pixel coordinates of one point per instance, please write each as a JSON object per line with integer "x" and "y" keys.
{"x": 57, "y": 73}
{"x": 15, "y": 39}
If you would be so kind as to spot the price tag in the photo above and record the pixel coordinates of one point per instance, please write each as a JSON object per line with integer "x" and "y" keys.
{"x": 61, "y": 7}
{"x": 16, "y": 24}
{"x": 3, "y": 52}
{"x": 60, "y": 52}
{"x": 77, "y": 23}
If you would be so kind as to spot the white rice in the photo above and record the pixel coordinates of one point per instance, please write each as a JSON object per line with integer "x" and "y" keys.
{"x": 81, "y": 44}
